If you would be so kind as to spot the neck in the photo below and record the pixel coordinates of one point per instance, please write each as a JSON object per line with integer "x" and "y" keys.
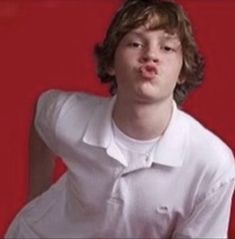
{"x": 142, "y": 121}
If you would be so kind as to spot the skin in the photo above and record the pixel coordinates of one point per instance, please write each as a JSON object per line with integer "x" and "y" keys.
{"x": 41, "y": 165}
{"x": 147, "y": 65}
{"x": 144, "y": 99}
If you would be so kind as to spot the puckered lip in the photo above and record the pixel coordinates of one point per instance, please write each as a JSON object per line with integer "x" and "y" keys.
{"x": 148, "y": 71}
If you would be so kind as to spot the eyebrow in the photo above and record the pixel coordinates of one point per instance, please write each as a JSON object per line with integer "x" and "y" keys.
{"x": 135, "y": 33}
{"x": 166, "y": 36}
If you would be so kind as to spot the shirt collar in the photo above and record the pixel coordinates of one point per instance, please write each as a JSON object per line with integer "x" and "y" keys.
{"x": 99, "y": 129}
{"x": 170, "y": 150}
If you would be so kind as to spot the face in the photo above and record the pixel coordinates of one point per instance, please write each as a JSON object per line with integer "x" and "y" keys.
{"x": 147, "y": 64}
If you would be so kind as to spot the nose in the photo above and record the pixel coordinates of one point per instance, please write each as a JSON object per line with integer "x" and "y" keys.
{"x": 150, "y": 54}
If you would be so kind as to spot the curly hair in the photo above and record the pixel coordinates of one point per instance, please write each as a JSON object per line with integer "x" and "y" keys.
{"x": 157, "y": 14}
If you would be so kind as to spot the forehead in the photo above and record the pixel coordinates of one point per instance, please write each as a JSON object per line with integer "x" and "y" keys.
{"x": 145, "y": 32}
{"x": 152, "y": 20}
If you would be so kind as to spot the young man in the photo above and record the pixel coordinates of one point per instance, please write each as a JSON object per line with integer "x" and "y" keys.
{"x": 138, "y": 167}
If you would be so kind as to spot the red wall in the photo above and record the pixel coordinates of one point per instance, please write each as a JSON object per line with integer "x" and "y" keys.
{"x": 48, "y": 44}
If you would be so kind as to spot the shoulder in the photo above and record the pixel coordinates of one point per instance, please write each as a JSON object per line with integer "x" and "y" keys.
{"x": 203, "y": 138}
{"x": 210, "y": 155}
{"x": 62, "y": 114}
{"x": 54, "y": 102}
{"x": 57, "y": 98}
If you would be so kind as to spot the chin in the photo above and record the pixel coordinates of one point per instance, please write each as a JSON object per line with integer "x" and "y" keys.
{"x": 148, "y": 92}
{"x": 147, "y": 98}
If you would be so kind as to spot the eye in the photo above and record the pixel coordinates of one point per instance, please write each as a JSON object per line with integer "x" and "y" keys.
{"x": 168, "y": 49}
{"x": 136, "y": 44}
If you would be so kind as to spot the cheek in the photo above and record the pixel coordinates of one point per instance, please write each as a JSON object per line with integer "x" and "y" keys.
{"x": 180, "y": 64}
{"x": 179, "y": 68}
{"x": 118, "y": 63}
{"x": 176, "y": 66}
{"x": 122, "y": 65}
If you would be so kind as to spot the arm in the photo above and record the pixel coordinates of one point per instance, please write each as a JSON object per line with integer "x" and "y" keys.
{"x": 41, "y": 165}
{"x": 43, "y": 148}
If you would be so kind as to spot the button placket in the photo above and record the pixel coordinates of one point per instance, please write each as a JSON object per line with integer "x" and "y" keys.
{"x": 118, "y": 172}
{"x": 115, "y": 196}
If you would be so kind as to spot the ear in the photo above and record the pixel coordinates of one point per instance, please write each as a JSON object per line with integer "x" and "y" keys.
{"x": 111, "y": 71}
{"x": 180, "y": 81}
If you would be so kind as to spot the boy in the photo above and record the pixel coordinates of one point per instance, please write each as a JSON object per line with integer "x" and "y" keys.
{"x": 138, "y": 167}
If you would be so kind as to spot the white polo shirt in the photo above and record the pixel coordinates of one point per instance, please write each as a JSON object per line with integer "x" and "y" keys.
{"x": 183, "y": 189}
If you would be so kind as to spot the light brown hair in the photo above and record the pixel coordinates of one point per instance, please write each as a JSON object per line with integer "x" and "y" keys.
{"x": 156, "y": 14}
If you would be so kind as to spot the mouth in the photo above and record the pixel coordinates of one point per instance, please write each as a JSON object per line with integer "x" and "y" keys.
{"x": 148, "y": 71}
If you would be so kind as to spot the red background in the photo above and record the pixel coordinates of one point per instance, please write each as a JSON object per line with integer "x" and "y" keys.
{"x": 49, "y": 43}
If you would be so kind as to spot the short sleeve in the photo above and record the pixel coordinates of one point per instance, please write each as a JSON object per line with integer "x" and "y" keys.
{"x": 48, "y": 109}
{"x": 210, "y": 216}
